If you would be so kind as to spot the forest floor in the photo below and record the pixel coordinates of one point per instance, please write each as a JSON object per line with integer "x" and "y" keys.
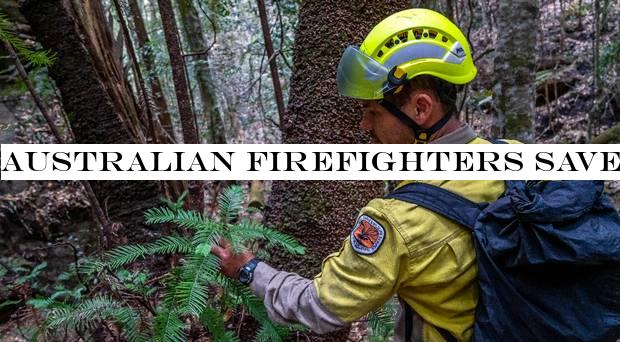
{"x": 33, "y": 214}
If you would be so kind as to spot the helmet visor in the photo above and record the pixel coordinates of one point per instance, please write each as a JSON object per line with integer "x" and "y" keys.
{"x": 361, "y": 77}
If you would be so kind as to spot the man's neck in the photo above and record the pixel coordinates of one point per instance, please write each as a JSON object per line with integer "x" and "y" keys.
{"x": 452, "y": 125}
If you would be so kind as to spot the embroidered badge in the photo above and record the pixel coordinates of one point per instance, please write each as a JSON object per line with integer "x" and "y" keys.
{"x": 367, "y": 236}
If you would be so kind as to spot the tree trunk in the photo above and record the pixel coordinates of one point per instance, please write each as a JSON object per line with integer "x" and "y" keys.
{"x": 321, "y": 214}
{"x": 197, "y": 43}
{"x": 97, "y": 100}
{"x": 515, "y": 64}
{"x": 188, "y": 120}
{"x": 149, "y": 63}
{"x": 273, "y": 63}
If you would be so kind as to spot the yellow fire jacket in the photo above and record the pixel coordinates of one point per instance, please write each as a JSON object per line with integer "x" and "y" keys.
{"x": 395, "y": 248}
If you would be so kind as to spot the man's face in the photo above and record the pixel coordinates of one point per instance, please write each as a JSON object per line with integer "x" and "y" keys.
{"x": 384, "y": 127}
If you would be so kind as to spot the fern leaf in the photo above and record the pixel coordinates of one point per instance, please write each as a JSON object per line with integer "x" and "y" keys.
{"x": 192, "y": 291}
{"x": 230, "y": 203}
{"x": 41, "y": 303}
{"x": 129, "y": 320}
{"x": 214, "y": 321}
{"x": 61, "y": 317}
{"x": 159, "y": 215}
{"x": 124, "y": 255}
{"x": 229, "y": 336}
{"x": 270, "y": 333}
{"x": 247, "y": 231}
{"x": 127, "y": 254}
{"x": 37, "y": 58}
{"x": 381, "y": 321}
{"x": 91, "y": 266}
{"x": 170, "y": 244}
{"x": 203, "y": 240}
{"x": 169, "y": 327}
{"x": 191, "y": 220}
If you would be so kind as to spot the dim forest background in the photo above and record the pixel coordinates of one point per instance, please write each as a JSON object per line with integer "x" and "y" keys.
{"x": 243, "y": 71}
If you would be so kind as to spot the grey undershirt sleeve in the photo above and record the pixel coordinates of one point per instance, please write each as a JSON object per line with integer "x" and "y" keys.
{"x": 290, "y": 298}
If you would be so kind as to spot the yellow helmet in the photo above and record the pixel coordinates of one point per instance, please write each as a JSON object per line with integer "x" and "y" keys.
{"x": 404, "y": 45}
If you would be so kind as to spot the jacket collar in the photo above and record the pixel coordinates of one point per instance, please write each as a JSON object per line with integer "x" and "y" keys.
{"x": 462, "y": 135}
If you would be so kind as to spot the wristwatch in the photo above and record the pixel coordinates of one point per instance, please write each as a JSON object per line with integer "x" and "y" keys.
{"x": 246, "y": 273}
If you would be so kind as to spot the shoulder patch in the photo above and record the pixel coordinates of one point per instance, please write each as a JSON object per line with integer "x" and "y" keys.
{"x": 367, "y": 236}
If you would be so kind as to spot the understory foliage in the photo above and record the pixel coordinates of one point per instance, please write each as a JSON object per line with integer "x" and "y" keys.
{"x": 37, "y": 58}
{"x": 381, "y": 322}
{"x": 195, "y": 291}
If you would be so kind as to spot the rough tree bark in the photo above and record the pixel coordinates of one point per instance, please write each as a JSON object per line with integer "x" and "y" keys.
{"x": 515, "y": 69}
{"x": 321, "y": 214}
{"x": 194, "y": 35}
{"x": 97, "y": 113}
{"x": 188, "y": 120}
{"x": 149, "y": 63}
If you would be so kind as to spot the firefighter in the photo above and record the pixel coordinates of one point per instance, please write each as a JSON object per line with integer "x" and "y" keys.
{"x": 405, "y": 76}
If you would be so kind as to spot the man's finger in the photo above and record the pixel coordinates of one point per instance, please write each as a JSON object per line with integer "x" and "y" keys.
{"x": 224, "y": 243}
{"x": 217, "y": 250}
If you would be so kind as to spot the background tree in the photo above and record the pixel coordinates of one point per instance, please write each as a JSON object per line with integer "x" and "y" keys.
{"x": 97, "y": 99}
{"x": 199, "y": 53}
{"x": 515, "y": 70}
{"x": 147, "y": 56}
{"x": 188, "y": 118}
{"x": 322, "y": 213}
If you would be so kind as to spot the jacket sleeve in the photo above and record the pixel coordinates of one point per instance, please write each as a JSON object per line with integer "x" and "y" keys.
{"x": 362, "y": 276}
{"x": 290, "y": 298}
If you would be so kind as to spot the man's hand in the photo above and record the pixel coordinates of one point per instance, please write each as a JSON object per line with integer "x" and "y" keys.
{"x": 229, "y": 262}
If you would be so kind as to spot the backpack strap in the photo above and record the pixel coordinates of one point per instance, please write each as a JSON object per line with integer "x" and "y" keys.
{"x": 441, "y": 201}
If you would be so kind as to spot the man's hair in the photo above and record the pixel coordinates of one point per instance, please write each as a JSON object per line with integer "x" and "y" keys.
{"x": 446, "y": 92}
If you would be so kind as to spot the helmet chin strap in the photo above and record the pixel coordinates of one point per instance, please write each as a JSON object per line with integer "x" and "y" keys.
{"x": 421, "y": 135}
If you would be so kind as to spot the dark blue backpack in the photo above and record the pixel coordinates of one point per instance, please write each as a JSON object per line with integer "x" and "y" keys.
{"x": 548, "y": 258}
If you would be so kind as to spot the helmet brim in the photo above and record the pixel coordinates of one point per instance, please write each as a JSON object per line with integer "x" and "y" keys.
{"x": 361, "y": 77}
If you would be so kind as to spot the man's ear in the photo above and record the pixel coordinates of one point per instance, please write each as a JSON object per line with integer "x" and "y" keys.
{"x": 420, "y": 107}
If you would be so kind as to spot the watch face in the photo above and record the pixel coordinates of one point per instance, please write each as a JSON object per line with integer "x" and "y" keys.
{"x": 245, "y": 276}
{"x": 246, "y": 273}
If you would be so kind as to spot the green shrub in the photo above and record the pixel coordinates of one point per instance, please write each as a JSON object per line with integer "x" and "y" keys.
{"x": 195, "y": 290}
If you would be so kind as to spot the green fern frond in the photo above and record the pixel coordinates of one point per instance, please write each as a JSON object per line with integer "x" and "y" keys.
{"x": 124, "y": 255}
{"x": 247, "y": 231}
{"x": 230, "y": 203}
{"x": 214, "y": 321}
{"x": 129, "y": 320}
{"x": 192, "y": 220}
{"x": 166, "y": 245}
{"x": 37, "y": 58}
{"x": 192, "y": 291}
{"x": 171, "y": 244}
{"x": 203, "y": 240}
{"x": 90, "y": 266}
{"x": 61, "y": 317}
{"x": 381, "y": 321}
{"x": 41, "y": 303}
{"x": 184, "y": 218}
{"x": 47, "y": 303}
{"x": 169, "y": 327}
{"x": 90, "y": 307}
{"x": 81, "y": 316}
{"x": 229, "y": 336}
{"x": 238, "y": 294}
{"x": 178, "y": 204}
{"x": 159, "y": 215}
{"x": 269, "y": 332}
{"x": 194, "y": 295}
